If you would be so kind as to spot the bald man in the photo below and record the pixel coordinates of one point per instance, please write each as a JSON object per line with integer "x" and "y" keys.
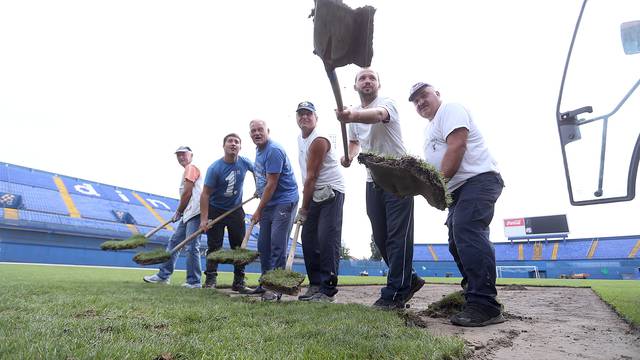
{"x": 276, "y": 185}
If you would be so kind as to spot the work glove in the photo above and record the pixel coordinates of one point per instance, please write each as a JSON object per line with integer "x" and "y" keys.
{"x": 301, "y": 217}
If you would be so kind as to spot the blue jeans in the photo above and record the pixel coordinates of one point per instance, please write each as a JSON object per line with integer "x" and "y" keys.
{"x": 275, "y": 226}
{"x": 391, "y": 219}
{"x": 194, "y": 268}
{"x": 468, "y": 221}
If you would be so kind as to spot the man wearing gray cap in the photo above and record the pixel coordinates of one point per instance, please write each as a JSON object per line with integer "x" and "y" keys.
{"x": 188, "y": 215}
{"x": 321, "y": 208}
{"x": 455, "y": 146}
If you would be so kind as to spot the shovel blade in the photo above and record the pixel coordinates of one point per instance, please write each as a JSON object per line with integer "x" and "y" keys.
{"x": 342, "y": 35}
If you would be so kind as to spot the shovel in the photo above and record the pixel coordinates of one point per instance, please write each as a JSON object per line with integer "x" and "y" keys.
{"x": 134, "y": 241}
{"x": 239, "y": 256}
{"x": 159, "y": 256}
{"x": 285, "y": 280}
{"x": 342, "y": 36}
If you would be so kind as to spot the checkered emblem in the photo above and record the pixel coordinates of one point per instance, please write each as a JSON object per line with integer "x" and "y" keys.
{"x": 7, "y": 199}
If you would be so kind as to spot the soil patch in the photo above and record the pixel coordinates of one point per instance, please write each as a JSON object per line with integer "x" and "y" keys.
{"x": 542, "y": 323}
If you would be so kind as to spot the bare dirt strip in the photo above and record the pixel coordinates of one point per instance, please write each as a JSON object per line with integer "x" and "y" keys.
{"x": 543, "y": 323}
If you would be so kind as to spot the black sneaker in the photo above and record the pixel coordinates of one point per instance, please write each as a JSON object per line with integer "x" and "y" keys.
{"x": 311, "y": 290}
{"x": 384, "y": 304}
{"x": 242, "y": 289}
{"x": 209, "y": 283}
{"x": 416, "y": 284}
{"x": 258, "y": 291}
{"x": 269, "y": 295}
{"x": 475, "y": 315}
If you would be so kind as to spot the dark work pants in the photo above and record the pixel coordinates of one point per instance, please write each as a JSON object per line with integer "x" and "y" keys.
{"x": 234, "y": 223}
{"x": 391, "y": 219}
{"x": 321, "y": 235}
{"x": 468, "y": 221}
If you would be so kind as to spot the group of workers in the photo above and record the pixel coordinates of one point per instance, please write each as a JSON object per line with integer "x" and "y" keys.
{"x": 452, "y": 144}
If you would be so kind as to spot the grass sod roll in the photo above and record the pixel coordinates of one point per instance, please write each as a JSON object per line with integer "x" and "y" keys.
{"x": 449, "y": 305}
{"x": 408, "y": 176}
{"x": 284, "y": 281}
{"x": 233, "y": 256}
{"x": 157, "y": 256}
{"x": 130, "y": 243}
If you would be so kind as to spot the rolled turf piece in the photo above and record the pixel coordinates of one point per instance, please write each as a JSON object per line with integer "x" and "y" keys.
{"x": 233, "y": 256}
{"x": 408, "y": 176}
{"x": 284, "y": 281}
{"x": 157, "y": 256}
{"x": 131, "y": 243}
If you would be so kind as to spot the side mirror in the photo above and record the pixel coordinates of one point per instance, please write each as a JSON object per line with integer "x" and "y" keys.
{"x": 630, "y": 32}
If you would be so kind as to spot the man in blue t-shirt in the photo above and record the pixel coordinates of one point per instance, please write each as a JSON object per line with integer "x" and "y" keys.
{"x": 278, "y": 192}
{"x": 222, "y": 191}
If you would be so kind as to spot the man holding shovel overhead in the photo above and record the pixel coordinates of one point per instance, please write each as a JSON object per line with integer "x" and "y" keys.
{"x": 321, "y": 209}
{"x": 222, "y": 192}
{"x": 278, "y": 191}
{"x": 374, "y": 126}
{"x": 455, "y": 146}
{"x": 188, "y": 213}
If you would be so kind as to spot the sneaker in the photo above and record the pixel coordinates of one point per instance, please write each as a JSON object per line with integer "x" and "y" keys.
{"x": 311, "y": 290}
{"x": 155, "y": 279}
{"x": 322, "y": 297}
{"x": 475, "y": 315}
{"x": 384, "y": 304}
{"x": 416, "y": 284}
{"x": 258, "y": 291}
{"x": 269, "y": 295}
{"x": 242, "y": 289}
{"x": 209, "y": 283}
{"x": 192, "y": 286}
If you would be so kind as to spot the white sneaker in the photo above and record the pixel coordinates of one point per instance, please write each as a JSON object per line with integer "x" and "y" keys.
{"x": 192, "y": 286}
{"x": 155, "y": 279}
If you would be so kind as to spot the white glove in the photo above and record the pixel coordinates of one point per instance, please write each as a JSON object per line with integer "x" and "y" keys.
{"x": 301, "y": 217}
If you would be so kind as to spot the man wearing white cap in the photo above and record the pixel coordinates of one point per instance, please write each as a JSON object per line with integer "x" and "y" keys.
{"x": 188, "y": 215}
{"x": 455, "y": 146}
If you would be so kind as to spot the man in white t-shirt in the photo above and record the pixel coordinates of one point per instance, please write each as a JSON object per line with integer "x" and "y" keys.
{"x": 455, "y": 146}
{"x": 321, "y": 208}
{"x": 188, "y": 215}
{"x": 374, "y": 127}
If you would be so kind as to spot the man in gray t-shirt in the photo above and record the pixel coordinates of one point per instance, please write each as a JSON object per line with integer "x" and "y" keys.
{"x": 374, "y": 127}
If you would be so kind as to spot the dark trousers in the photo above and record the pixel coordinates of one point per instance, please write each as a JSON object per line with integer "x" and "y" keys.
{"x": 391, "y": 219}
{"x": 234, "y": 223}
{"x": 468, "y": 221}
{"x": 321, "y": 235}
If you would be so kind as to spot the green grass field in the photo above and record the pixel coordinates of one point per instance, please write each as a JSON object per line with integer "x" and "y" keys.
{"x": 49, "y": 312}
{"x": 87, "y": 313}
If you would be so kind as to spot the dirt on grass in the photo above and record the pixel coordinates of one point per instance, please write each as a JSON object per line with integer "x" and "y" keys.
{"x": 542, "y": 323}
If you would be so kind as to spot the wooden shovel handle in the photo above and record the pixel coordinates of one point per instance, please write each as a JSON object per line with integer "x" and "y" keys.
{"x": 210, "y": 223}
{"x": 155, "y": 230}
{"x": 335, "y": 86}
{"x": 292, "y": 249}
{"x": 247, "y": 235}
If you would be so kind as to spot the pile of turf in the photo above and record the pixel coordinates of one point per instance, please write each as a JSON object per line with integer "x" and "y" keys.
{"x": 131, "y": 243}
{"x": 408, "y": 176}
{"x": 157, "y": 256}
{"x": 283, "y": 281}
{"x": 233, "y": 256}
{"x": 449, "y": 305}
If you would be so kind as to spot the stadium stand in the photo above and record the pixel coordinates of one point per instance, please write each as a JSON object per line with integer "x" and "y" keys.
{"x": 54, "y": 212}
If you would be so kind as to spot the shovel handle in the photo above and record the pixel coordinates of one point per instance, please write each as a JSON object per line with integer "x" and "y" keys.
{"x": 292, "y": 249}
{"x": 155, "y": 230}
{"x": 209, "y": 225}
{"x": 335, "y": 86}
{"x": 247, "y": 235}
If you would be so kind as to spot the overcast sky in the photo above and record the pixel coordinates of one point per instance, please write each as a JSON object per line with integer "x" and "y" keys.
{"x": 107, "y": 90}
